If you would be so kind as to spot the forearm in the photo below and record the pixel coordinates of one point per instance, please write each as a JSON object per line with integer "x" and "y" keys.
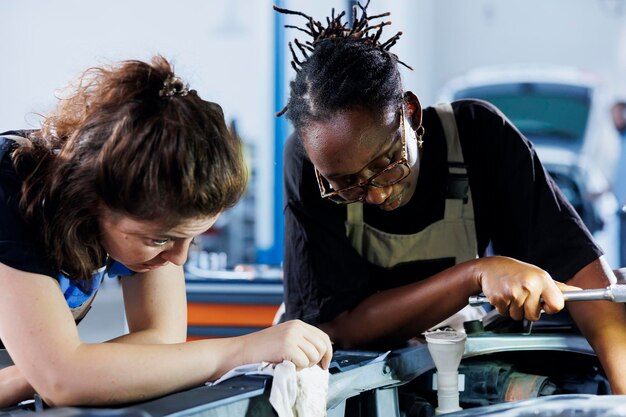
{"x": 115, "y": 373}
{"x": 13, "y": 387}
{"x": 149, "y": 337}
{"x": 155, "y": 304}
{"x": 398, "y": 314}
{"x": 603, "y": 324}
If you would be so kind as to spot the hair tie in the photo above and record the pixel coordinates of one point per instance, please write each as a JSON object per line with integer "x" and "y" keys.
{"x": 173, "y": 86}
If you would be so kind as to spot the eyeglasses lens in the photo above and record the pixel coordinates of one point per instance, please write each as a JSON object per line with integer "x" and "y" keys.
{"x": 391, "y": 175}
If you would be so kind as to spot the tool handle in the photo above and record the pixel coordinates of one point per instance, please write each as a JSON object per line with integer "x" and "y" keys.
{"x": 589, "y": 295}
{"x": 584, "y": 295}
{"x": 477, "y": 300}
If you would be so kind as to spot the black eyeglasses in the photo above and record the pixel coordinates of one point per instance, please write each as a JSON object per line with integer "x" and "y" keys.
{"x": 390, "y": 175}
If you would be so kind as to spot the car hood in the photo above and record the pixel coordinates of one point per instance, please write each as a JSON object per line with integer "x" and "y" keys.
{"x": 558, "y": 156}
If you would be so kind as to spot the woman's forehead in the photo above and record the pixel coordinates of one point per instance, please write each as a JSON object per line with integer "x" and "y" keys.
{"x": 349, "y": 140}
{"x": 131, "y": 225}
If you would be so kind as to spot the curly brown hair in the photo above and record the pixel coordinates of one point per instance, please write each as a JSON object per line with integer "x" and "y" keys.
{"x": 121, "y": 142}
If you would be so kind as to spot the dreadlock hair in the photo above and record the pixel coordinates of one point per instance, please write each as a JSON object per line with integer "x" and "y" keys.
{"x": 131, "y": 138}
{"x": 343, "y": 66}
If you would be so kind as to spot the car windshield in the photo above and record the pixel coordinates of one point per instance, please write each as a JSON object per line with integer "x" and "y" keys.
{"x": 546, "y": 113}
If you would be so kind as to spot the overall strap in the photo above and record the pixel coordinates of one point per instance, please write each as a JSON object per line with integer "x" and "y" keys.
{"x": 446, "y": 115}
{"x": 458, "y": 183}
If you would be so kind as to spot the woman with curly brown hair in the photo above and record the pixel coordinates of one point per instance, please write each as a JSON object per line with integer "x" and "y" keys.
{"x": 119, "y": 180}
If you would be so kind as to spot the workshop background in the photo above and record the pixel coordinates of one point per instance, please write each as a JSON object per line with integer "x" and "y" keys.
{"x": 234, "y": 52}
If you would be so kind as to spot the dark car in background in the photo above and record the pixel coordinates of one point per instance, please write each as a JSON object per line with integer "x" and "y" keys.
{"x": 565, "y": 113}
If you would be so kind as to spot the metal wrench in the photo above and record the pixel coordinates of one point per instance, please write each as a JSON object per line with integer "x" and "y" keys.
{"x": 615, "y": 293}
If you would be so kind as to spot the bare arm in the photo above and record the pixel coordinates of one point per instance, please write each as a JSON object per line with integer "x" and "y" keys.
{"x": 13, "y": 387}
{"x": 603, "y": 323}
{"x": 152, "y": 321}
{"x": 156, "y": 306}
{"x": 39, "y": 332}
{"x": 398, "y": 314}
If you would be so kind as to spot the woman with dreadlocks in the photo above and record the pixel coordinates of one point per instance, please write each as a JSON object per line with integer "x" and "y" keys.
{"x": 119, "y": 180}
{"x": 390, "y": 208}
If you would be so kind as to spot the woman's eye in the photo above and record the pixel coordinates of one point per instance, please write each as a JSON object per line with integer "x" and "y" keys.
{"x": 384, "y": 162}
{"x": 344, "y": 182}
{"x": 159, "y": 242}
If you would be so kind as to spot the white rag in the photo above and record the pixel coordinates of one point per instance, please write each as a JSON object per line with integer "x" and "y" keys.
{"x": 294, "y": 393}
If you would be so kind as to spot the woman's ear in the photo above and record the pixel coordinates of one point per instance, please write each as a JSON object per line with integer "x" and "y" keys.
{"x": 413, "y": 109}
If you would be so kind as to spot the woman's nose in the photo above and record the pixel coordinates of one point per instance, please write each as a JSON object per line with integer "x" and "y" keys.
{"x": 377, "y": 195}
{"x": 177, "y": 254}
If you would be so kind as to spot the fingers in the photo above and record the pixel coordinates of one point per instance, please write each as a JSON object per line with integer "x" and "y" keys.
{"x": 323, "y": 345}
{"x": 305, "y": 345}
{"x": 525, "y": 304}
{"x": 532, "y": 306}
{"x": 308, "y": 354}
{"x": 501, "y": 304}
{"x": 302, "y": 356}
{"x": 520, "y": 290}
{"x": 529, "y": 300}
{"x": 566, "y": 287}
{"x": 328, "y": 354}
{"x": 553, "y": 301}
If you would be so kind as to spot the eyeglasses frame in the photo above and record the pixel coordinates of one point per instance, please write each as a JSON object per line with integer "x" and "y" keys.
{"x": 368, "y": 182}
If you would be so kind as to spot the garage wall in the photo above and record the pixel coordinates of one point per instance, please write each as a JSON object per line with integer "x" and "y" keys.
{"x": 225, "y": 48}
{"x": 586, "y": 34}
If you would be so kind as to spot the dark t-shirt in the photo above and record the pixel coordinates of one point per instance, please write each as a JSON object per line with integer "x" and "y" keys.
{"x": 19, "y": 244}
{"x": 517, "y": 208}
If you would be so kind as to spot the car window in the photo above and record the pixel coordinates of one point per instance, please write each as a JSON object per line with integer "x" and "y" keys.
{"x": 546, "y": 113}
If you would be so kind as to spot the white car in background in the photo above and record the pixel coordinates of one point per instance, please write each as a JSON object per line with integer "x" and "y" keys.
{"x": 566, "y": 114}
